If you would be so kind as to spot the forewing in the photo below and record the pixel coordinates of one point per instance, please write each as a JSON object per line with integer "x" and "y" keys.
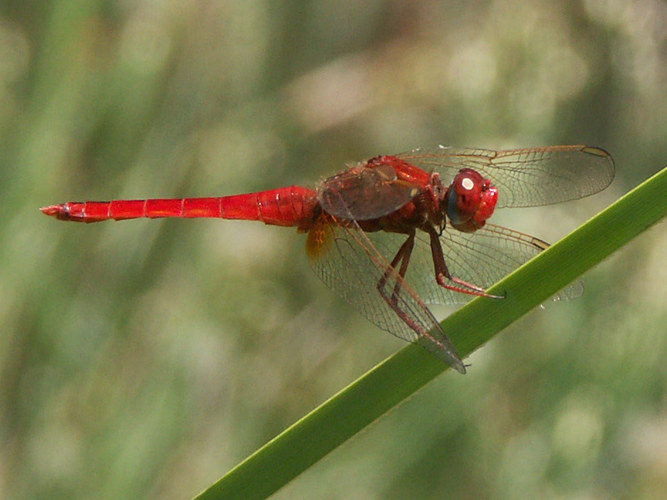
{"x": 481, "y": 258}
{"x": 363, "y": 193}
{"x": 351, "y": 265}
{"x": 525, "y": 177}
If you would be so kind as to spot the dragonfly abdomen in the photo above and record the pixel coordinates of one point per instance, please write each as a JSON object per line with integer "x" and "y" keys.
{"x": 289, "y": 206}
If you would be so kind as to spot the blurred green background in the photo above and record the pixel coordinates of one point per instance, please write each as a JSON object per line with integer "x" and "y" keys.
{"x": 146, "y": 358}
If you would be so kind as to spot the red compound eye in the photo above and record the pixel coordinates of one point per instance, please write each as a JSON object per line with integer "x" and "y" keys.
{"x": 470, "y": 200}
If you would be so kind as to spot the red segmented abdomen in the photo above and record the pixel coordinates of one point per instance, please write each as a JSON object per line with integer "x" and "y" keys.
{"x": 288, "y": 206}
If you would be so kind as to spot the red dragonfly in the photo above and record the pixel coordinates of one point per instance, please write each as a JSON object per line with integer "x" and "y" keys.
{"x": 428, "y": 207}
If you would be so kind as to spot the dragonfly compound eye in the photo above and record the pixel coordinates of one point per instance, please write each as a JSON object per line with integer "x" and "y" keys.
{"x": 471, "y": 200}
{"x": 465, "y": 195}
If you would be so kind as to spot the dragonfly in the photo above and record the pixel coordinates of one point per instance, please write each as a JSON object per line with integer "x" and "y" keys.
{"x": 424, "y": 211}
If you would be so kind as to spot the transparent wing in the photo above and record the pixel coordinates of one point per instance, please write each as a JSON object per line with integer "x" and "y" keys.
{"x": 525, "y": 177}
{"x": 363, "y": 193}
{"x": 482, "y": 258}
{"x": 350, "y": 264}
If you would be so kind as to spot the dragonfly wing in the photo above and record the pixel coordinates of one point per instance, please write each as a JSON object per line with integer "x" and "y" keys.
{"x": 363, "y": 193}
{"x": 348, "y": 262}
{"x": 481, "y": 258}
{"x": 525, "y": 177}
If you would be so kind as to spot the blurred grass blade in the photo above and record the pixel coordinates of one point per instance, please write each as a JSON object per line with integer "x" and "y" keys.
{"x": 328, "y": 426}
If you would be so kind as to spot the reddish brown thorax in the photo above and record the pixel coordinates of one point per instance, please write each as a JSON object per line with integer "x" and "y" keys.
{"x": 404, "y": 171}
{"x": 424, "y": 208}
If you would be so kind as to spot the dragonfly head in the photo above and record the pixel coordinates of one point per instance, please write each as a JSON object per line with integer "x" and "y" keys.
{"x": 470, "y": 200}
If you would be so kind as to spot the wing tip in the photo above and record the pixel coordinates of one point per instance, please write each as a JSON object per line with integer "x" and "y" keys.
{"x": 597, "y": 151}
{"x": 444, "y": 350}
{"x": 459, "y": 366}
{"x": 605, "y": 157}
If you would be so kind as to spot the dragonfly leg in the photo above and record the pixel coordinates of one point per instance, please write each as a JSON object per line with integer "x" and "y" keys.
{"x": 402, "y": 256}
{"x": 442, "y": 274}
{"x": 437, "y": 343}
{"x": 398, "y": 272}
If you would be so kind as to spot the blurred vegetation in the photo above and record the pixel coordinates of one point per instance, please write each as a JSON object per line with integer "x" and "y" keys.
{"x": 146, "y": 358}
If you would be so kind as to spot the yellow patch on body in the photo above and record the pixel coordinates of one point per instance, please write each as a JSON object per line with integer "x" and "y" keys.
{"x": 320, "y": 237}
